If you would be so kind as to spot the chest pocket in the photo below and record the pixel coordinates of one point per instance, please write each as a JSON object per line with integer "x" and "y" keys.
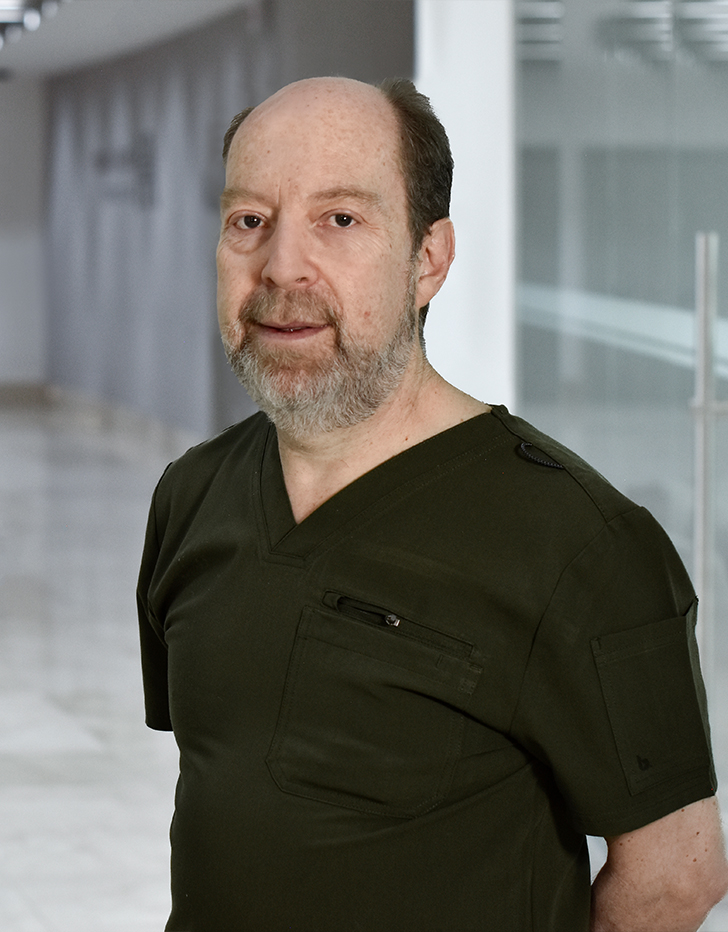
{"x": 370, "y": 715}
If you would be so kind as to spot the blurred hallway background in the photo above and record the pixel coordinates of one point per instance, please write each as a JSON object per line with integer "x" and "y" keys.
{"x": 86, "y": 790}
{"x": 590, "y": 150}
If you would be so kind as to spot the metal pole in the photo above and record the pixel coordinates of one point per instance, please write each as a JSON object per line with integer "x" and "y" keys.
{"x": 704, "y": 407}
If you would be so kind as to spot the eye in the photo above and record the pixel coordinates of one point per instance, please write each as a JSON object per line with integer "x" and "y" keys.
{"x": 343, "y": 220}
{"x": 249, "y": 222}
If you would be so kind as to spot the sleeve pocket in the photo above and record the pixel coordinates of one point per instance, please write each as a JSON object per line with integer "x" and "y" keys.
{"x": 655, "y": 699}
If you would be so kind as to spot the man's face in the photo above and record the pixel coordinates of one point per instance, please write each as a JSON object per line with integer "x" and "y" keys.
{"x": 317, "y": 287}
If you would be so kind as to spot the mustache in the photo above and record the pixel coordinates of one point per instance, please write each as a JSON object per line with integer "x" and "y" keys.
{"x": 282, "y": 307}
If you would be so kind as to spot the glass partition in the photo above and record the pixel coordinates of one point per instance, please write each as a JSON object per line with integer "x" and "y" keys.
{"x": 623, "y": 159}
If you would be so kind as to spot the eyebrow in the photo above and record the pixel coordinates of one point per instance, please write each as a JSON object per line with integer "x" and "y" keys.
{"x": 230, "y": 195}
{"x": 349, "y": 193}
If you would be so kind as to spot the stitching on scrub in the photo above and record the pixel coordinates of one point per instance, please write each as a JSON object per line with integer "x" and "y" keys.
{"x": 472, "y": 668}
{"x": 606, "y": 657}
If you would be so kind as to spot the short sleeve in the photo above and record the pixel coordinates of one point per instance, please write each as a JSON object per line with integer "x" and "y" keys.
{"x": 612, "y": 699}
{"x": 151, "y": 633}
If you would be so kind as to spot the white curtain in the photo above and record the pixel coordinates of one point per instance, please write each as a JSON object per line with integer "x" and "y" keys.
{"x": 133, "y": 179}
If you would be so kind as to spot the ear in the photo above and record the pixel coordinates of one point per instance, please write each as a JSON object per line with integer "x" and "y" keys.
{"x": 435, "y": 258}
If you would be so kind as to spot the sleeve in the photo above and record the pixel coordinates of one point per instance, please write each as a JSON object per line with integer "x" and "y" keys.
{"x": 151, "y": 633}
{"x": 612, "y": 699}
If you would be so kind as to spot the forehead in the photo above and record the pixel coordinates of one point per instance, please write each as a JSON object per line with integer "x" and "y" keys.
{"x": 319, "y": 134}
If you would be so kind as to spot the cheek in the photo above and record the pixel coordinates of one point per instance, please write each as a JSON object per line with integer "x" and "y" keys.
{"x": 230, "y": 299}
{"x": 233, "y": 282}
{"x": 224, "y": 297}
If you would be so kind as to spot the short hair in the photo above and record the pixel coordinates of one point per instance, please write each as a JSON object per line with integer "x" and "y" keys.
{"x": 425, "y": 156}
{"x": 425, "y": 159}
{"x": 232, "y": 129}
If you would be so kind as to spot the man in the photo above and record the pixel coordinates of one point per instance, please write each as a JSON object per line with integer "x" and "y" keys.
{"x": 412, "y": 650}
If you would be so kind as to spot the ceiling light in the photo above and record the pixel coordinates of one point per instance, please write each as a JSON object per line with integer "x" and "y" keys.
{"x": 539, "y": 29}
{"x": 700, "y": 9}
{"x": 11, "y": 15}
{"x": 540, "y": 9}
{"x": 31, "y": 20}
{"x": 16, "y": 16}
{"x": 657, "y": 30}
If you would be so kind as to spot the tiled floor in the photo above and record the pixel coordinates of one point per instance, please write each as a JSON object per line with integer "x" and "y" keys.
{"x": 85, "y": 789}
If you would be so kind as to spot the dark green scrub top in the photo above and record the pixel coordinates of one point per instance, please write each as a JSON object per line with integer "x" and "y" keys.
{"x": 405, "y": 712}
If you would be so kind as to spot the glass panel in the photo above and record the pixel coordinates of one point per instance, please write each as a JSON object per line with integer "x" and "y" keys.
{"x": 623, "y": 159}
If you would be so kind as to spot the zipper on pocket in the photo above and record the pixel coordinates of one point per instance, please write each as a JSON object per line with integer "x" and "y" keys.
{"x": 375, "y": 615}
{"x": 370, "y": 613}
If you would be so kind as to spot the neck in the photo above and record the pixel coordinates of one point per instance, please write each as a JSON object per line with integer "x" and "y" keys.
{"x": 318, "y": 465}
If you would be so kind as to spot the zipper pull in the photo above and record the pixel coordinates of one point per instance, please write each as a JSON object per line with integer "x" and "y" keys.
{"x": 361, "y": 610}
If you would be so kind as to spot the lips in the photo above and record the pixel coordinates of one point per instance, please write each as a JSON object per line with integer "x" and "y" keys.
{"x": 297, "y": 329}
{"x": 293, "y": 327}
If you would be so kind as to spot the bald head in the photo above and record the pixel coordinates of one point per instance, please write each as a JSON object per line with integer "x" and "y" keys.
{"x": 303, "y": 94}
{"x": 330, "y": 96}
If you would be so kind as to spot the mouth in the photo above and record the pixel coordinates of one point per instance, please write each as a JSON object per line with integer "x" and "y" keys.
{"x": 290, "y": 331}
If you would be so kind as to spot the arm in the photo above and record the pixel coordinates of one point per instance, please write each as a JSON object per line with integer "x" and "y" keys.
{"x": 664, "y": 877}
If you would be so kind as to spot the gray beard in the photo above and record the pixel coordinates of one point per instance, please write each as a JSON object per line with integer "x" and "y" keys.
{"x": 340, "y": 390}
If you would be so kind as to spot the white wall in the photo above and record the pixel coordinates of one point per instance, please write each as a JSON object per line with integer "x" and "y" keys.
{"x": 22, "y": 294}
{"x": 465, "y": 64}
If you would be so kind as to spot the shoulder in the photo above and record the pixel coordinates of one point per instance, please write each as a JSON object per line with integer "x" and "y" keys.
{"x": 208, "y": 455}
{"x": 192, "y": 474}
{"x": 568, "y": 477}
{"x": 557, "y": 506}
{"x": 635, "y": 575}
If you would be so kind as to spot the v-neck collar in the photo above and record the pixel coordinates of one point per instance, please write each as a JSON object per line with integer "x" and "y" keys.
{"x": 285, "y": 538}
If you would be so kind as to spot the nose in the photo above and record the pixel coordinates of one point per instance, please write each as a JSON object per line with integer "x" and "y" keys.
{"x": 288, "y": 260}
